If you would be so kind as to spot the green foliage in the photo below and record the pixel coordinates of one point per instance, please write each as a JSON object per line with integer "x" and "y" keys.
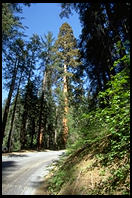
{"x": 118, "y": 181}
{"x": 61, "y": 176}
{"x": 108, "y": 126}
{"x": 117, "y": 113}
{"x": 10, "y": 21}
{"x": 113, "y": 123}
{"x": 57, "y": 181}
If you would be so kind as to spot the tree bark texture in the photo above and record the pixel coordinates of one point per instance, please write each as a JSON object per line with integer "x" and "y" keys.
{"x": 24, "y": 120}
{"x": 13, "y": 116}
{"x": 6, "y": 111}
{"x": 40, "y": 133}
{"x": 65, "y": 90}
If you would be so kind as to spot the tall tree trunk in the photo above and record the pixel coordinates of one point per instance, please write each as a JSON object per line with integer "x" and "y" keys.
{"x": 39, "y": 140}
{"x": 13, "y": 116}
{"x": 33, "y": 132}
{"x": 23, "y": 126}
{"x": 56, "y": 123}
{"x": 51, "y": 136}
{"x": 65, "y": 127}
{"x": 23, "y": 130}
{"x": 6, "y": 111}
{"x": 24, "y": 118}
{"x": 40, "y": 131}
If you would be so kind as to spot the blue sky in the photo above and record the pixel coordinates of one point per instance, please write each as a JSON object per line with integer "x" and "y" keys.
{"x": 43, "y": 17}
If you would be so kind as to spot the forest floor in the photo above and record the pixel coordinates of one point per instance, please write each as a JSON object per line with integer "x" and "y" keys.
{"x": 82, "y": 173}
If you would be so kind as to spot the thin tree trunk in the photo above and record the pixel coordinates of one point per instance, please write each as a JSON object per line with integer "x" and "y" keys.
{"x": 33, "y": 132}
{"x": 13, "y": 116}
{"x": 24, "y": 118}
{"x": 23, "y": 126}
{"x": 55, "y": 136}
{"x": 51, "y": 135}
{"x": 40, "y": 123}
{"x": 6, "y": 111}
{"x": 40, "y": 131}
{"x": 65, "y": 90}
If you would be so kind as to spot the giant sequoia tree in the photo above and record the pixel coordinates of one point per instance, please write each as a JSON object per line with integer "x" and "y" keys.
{"x": 104, "y": 25}
{"x": 68, "y": 55}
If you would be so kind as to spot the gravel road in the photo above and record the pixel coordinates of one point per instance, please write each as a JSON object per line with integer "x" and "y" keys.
{"x": 23, "y": 173}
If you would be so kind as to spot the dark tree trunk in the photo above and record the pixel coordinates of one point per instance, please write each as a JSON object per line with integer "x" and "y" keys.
{"x": 12, "y": 120}
{"x": 6, "y": 111}
{"x": 40, "y": 131}
{"x": 24, "y": 119}
{"x": 65, "y": 90}
{"x": 39, "y": 140}
{"x": 23, "y": 127}
{"x": 33, "y": 132}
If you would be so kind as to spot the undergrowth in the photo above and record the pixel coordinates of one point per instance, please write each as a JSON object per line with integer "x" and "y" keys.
{"x": 105, "y": 133}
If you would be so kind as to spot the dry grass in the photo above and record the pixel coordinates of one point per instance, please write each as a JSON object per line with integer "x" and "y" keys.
{"x": 87, "y": 178}
{"x": 86, "y": 175}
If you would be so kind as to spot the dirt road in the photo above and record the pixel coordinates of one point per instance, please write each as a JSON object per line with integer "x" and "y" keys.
{"x": 23, "y": 173}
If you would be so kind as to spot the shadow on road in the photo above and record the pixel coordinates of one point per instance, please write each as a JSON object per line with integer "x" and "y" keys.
{"x": 37, "y": 183}
{"x": 41, "y": 187}
{"x": 7, "y": 168}
{"x": 18, "y": 155}
{"x": 8, "y": 164}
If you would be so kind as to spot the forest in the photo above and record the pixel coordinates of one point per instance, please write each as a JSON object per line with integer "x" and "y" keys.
{"x": 50, "y": 105}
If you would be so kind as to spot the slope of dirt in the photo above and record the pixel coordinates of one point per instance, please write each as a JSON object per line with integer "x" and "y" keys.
{"x": 82, "y": 173}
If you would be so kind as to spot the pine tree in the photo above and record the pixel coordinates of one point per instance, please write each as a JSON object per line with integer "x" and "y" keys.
{"x": 104, "y": 26}
{"x": 47, "y": 65}
{"x": 11, "y": 23}
{"x": 32, "y": 50}
{"x": 13, "y": 116}
{"x": 68, "y": 55}
{"x": 29, "y": 115}
{"x": 12, "y": 69}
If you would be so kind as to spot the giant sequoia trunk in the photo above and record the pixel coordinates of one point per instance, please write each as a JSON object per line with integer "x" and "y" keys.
{"x": 65, "y": 127}
{"x": 6, "y": 111}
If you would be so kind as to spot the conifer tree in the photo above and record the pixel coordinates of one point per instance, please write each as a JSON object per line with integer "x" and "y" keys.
{"x": 68, "y": 55}
{"x": 13, "y": 116}
{"x": 12, "y": 68}
{"x": 47, "y": 65}
{"x": 32, "y": 50}
{"x": 29, "y": 115}
{"x": 104, "y": 26}
{"x": 11, "y": 23}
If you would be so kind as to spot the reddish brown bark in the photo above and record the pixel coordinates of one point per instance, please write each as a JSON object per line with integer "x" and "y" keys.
{"x": 65, "y": 127}
{"x": 40, "y": 139}
{"x": 40, "y": 133}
